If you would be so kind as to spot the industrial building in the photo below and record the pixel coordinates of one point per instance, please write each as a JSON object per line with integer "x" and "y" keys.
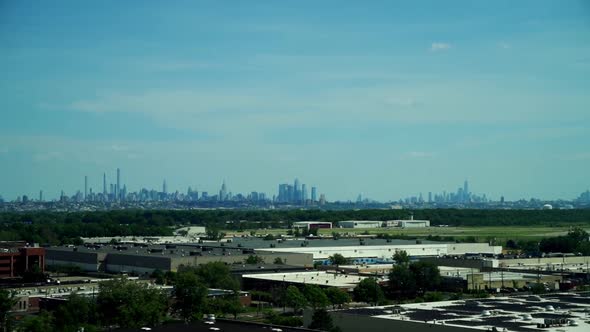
{"x": 360, "y": 224}
{"x": 365, "y": 254}
{"x": 144, "y": 259}
{"x": 312, "y": 225}
{"x": 549, "y": 313}
{"x": 16, "y": 258}
{"x": 414, "y": 223}
{"x": 319, "y": 278}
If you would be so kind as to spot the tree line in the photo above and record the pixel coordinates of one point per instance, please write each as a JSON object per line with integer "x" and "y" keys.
{"x": 66, "y": 228}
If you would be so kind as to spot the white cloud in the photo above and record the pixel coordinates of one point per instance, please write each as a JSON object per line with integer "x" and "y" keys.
{"x": 438, "y": 46}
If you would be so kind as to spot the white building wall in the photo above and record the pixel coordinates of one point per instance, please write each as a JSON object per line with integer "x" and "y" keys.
{"x": 473, "y": 248}
{"x": 383, "y": 252}
{"x": 360, "y": 224}
{"x": 414, "y": 223}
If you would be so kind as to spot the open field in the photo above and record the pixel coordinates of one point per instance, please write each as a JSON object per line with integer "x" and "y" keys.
{"x": 483, "y": 233}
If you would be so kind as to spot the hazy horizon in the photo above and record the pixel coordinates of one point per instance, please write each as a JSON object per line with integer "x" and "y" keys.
{"x": 385, "y": 99}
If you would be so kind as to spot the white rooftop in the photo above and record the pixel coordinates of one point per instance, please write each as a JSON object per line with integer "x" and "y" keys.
{"x": 320, "y": 278}
{"x": 563, "y": 311}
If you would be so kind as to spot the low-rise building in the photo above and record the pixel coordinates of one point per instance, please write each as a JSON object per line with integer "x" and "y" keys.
{"x": 319, "y": 278}
{"x": 16, "y": 258}
{"x": 360, "y": 224}
{"x": 549, "y": 313}
{"x": 144, "y": 259}
{"x": 312, "y": 225}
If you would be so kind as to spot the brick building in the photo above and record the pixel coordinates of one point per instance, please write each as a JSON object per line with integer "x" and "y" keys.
{"x": 16, "y": 258}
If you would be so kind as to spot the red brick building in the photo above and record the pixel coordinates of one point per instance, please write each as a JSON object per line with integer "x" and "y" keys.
{"x": 16, "y": 258}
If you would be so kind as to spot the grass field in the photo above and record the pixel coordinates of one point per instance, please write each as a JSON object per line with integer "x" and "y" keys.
{"x": 480, "y": 233}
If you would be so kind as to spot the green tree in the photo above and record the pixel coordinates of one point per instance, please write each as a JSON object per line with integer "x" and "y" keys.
{"x": 368, "y": 290}
{"x": 213, "y": 233}
{"x": 338, "y": 259}
{"x": 130, "y": 304}
{"x": 295, "y": 299}
{"x": 7, "y": 302}
{"x": 315, "y": 296}
{"x": 215, "y": 275}
{"x": 321, "y": 320}
{"x": 337, "y": 297}
{"x": 254, "y": 259}
{"x": 34, "y": 275}
{"x": 159, "y": 276}
{"x": 278, "y": 261}
{"x": 401, "y": 257}
{"x": 190, "y": 294}
{"x": 78, "y": 311}
{"x": 40, "y": 323}
{"x": 224, "y": 305}
{"x": 426, "y": 276}
{"x": 401, "y": 281}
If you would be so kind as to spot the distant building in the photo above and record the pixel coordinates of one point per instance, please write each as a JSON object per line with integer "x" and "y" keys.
{"x": 360, "y": 224}
{"x": 314, "y": 194}
{"x": 414, "y": 223}
{"x": 312, "y": 224}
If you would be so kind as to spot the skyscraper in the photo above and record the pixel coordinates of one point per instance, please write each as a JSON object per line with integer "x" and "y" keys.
{"x": 40, "y": 195}
{"x": 164, "y": 189}
{"x": 304, "y": 193}
{"x": 314, "y": 194}
{"x": 85, "y": 187}
{"x": 104, "y": 184}
{"x": 118, "y": 189}
{"x": 296, "y": 191}
{"x": 465, "y": 191}
{"x": 223, "y": 192}
{"x": 283, "y": 193}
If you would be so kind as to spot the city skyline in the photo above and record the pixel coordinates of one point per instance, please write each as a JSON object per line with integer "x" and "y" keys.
{"x": 296, "y": 193}
{"x": 386, "y": 99}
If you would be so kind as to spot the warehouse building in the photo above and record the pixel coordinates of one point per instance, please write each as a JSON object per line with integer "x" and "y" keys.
{"x": 312, "y": 225}
{"x": 360, "y": 224}
{"x": 549, "y": 313}
{"x": 144, "y": 259}
{"x": 366, "y": 254}
{"x": 320, "y": 278}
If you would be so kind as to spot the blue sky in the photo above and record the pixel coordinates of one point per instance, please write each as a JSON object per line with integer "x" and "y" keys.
{"x": 384, "y": 98}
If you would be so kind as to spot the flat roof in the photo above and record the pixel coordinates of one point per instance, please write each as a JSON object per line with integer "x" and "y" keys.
{"x": 320, "y": 278}
{"x": 222, "y": 325}
{"x": 519, "y": 313}
{"x": 170, "y": 250}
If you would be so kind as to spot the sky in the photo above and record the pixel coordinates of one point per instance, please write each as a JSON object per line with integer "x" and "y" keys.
{"x": 387, "y": 99}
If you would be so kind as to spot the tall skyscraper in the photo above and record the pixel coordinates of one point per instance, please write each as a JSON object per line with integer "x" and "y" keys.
{"x": 283, "y": 193}
{"x": 118, "y": 189}
{"x": 223, "y": 192}
{"x": 164, "y": 189}
{"x": 304, "y": 193}
{"x": 40, "y": 195}
{"x": 85, "y": 187}
{"x": 314, "y": 194}
{"x": 104, "y": 184}
{"x": 296, "y": 191}
{"x": 465, "y": 191}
